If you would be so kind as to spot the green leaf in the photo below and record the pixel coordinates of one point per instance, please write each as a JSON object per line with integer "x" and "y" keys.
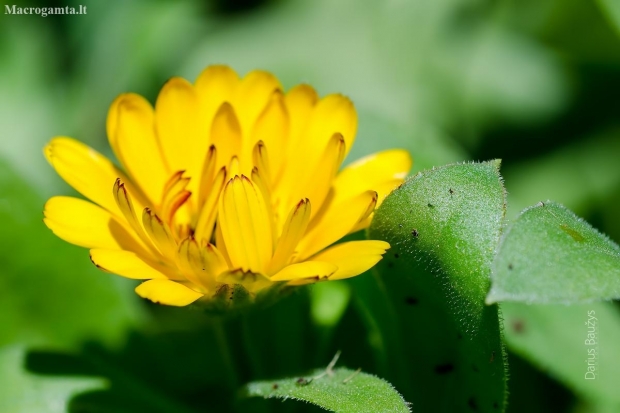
{"x": 611, "y": 9}
{"x": 443, "y": 226}
{"x": 24, "y": 392}
{"x": 555, "y": 339}
{"x": 341, "y": 390}
{"x": 550, "y": 255}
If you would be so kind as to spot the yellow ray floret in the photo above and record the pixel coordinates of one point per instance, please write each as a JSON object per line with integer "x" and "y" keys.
{"x": 224, "y": 184}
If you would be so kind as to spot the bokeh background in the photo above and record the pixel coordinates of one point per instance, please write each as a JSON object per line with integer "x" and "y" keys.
{"x": 533, "y": 82}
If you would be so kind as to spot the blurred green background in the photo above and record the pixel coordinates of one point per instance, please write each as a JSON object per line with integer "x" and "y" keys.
{"x": 533, "y": 82}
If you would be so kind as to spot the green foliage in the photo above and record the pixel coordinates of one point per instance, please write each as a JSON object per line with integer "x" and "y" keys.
{"x": 555, "y": 338}
{"x": 576, "y": 174}
{"x": 51, "y": 296}
{"x": 339, "y": 390}
{"x": 443, "y": 226}
{"x": 24, "y": 392}
{"x": 550, "y": 255}
{"x": 329, "y": 302}
{"x": 50, "y": 291}
{"x": 611, "y": 9}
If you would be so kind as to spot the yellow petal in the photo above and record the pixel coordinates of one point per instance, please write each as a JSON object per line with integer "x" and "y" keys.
{"x": 85, "y": 169}
{"x": 364, "y": 223}
{"x": 128, "y": 264}
{"x": 265, "y": 190}
{"x": 125, "y": 205}
{"x": 214, "y": 86}
{"x": 87, "y": 225}
{"x": 132, "y": 136}
{"x": 312, "y": 181}
{"x": 208, "y": 212}
{"x": 175, "y": 195}
{"x": 315, "y": 270}
{"x": 380, "y": 172}
{"x": 234, "y": 167}
{"x": 332, "y": 114}
{"x": 252, "y": 96}
{"x": 182, "y": 133}
{"x": 160, "y": 234}
{"x": 221, "y": 246}
{"x": 245, "y": 225}
{"x": 261, "y": 161}
{"x": 167, "y": 292}
{"x": 272, "y": 128}
{"x": 300, "y": 102}
{"x": 201, "y": 263}
{"x": 192, "y": 265}
{"x": 207, "y": 175}
{"x": 293, "y": 231}
{"x": 335, "y": 222}
{"x": 384, "y": 188}
{"x": 354, "y": 257}
{"x": 213, "y": 259}
{"x": 318, "y": 184}
{"x": 226, "y": 134}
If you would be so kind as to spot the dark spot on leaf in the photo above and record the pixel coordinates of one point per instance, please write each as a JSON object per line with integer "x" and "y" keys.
{"x": 459, "y": 336}
{"x": 495, "y": 405}
{"x": 472, "y": 404}
{"x": 475, "y": 368}
{"x": 396, "y": 255}
{"x": 275, "y": 386}
{"x": 302, "y": 382}
{"x": 390, "y": 264}
{"x": 415, "y": 233}
{"x": 411, "y": 300}
{"x": 431, "y": 205}
{"x": 444, "y": 368}
{"x": 574, "y": 234}
{"x": 451, "y": 191}
{"x": 510, "y": 266}
{"x": 518, "y": 326}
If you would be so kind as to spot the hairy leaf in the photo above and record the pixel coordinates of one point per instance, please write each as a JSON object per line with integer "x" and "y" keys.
{"x": 550, "y": 255}
{"x": 341, "y": 390}
{"x": 443, "y": 226}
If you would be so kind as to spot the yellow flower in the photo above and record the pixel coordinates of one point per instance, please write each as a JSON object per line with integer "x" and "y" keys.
{"x": 227, "y": 185}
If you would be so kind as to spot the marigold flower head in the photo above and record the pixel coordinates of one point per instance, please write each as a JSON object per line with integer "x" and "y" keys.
{"x": 228, "y": 186}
